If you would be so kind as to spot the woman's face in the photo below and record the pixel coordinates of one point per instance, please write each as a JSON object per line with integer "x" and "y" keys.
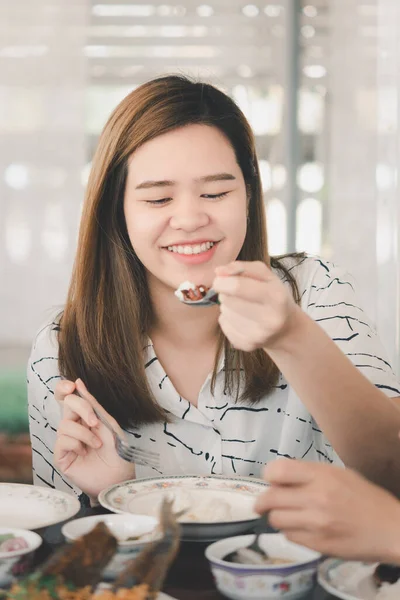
{"x": 185, "y": 205}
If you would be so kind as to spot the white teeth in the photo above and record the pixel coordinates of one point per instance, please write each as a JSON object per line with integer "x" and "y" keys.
{"x": 195, "y": 249}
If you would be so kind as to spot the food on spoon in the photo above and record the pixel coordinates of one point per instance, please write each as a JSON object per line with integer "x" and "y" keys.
{"x": 12, "y": 543}
{"x": 191, "y": 292}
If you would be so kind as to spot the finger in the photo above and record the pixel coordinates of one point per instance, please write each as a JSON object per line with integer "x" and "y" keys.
{"x": 306, "y": 538}
{"x": 67, "y": 444}
{"x": 254, "y": 269}
{"x": 290, "y": 472}
{"x": 238, "y": 339}
{"x": 79, "y": 432}
{"x": 236, "y": 312}
{"x": 248, "y": 289}
{"x": 248, "y": 324}
{"x": 86, "y": 395}
{"x": 76, "y": 408}
{"x": 282, "y": 497}
{"x": 290, "y": 519}
{"x": 63, "y": 388}
{"x": 253, "y": 312}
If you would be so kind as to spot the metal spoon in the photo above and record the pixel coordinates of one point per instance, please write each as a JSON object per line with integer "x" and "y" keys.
{"x": 211, "y": 297}
{"x": 252, "y": 554}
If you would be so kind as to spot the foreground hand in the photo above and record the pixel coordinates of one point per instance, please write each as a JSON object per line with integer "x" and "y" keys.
{"x": 256, "y": 307}
{"x": 84, "y": 449}
{"x": 332, "y": 510}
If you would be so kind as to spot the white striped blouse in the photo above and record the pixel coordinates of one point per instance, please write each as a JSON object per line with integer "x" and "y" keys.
{"x": 219, "y": 435}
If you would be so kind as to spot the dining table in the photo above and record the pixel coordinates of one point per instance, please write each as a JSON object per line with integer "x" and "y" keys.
{"x": 189, "y": 577}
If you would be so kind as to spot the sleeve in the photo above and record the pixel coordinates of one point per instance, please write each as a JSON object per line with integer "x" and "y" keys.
{"x": 330, "y": 299}
{"x": 44, "y": 411}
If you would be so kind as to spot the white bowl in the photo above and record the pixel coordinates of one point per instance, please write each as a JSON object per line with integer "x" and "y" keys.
{"x": 264, "y": 582}
{"x": 16, "y": 563}
{"x": 122, "y": 527}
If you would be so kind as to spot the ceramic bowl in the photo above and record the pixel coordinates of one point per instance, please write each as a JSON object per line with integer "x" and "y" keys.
{"x": 122, "y": 527}
{"x": 16, "y": 563}
{"x": 290, "y": 580}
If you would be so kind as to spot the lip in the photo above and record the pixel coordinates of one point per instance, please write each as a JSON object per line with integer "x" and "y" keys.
{"x": 191, "y": 242}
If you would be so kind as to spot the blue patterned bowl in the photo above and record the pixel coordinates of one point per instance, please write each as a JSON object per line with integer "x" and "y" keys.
{"x": 16, "y": 563}
{"x": 291, "y": 580}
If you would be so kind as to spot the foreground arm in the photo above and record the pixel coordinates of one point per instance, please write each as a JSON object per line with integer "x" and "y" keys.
{"x": 332, "y": 510}
{"x": 360, "y": 421}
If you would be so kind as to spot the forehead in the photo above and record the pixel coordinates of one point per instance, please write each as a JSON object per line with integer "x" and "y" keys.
{"x": 191, "y": 151}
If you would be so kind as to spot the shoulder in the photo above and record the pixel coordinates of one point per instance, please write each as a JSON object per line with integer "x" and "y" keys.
{"x": 46, "y": 338}
{"x": 43, "y": 360}
{"x": 316, "y": 275}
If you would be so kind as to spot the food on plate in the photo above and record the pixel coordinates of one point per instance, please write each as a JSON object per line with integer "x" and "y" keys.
{"x": 75, "y": 570}
{"x": 12, "y": 543}
{"x": 151, "y": 565}
{"x": 190, "y": 291}
{"x": 246, "y": 556}
{"x": 205, "y": 511}
{"x": 241, "y": 558}
{"x": 140, "y": 592}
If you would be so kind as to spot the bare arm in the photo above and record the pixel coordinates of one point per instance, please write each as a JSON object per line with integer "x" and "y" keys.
{"x": 361, "y": 422}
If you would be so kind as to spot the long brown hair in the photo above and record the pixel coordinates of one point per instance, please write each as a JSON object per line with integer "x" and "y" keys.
{"x": 107, "y": 315}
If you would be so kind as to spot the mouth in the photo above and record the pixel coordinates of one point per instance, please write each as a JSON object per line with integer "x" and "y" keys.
{"x": 189, "y": 249}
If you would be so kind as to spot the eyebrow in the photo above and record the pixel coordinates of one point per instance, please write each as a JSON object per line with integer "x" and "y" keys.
{"x": 145, "y": 185}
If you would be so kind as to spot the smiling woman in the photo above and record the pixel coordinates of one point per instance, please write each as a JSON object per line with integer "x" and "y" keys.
{"x": 194, "y": 219}
{"x": 175, "y": 195}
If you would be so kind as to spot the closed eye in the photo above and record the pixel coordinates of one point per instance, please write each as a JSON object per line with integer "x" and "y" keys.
{"x": 212, "y": 196}
{"x": 159, "y": 202}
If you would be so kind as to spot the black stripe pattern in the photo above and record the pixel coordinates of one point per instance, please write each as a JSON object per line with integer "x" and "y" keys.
{"x": 219, "y": 435}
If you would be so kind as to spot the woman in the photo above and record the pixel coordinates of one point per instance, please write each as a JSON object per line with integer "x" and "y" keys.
{"x": 174, "y": 194}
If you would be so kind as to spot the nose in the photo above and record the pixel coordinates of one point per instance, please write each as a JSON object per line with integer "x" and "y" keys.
{"x": 189, "y": 214}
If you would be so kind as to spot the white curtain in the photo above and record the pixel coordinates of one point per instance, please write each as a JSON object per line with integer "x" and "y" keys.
{"x": 42, "y": 151}
{"x": 363, "y": 225}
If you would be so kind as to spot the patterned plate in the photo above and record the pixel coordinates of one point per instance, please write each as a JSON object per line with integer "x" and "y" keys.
{"x": 351, "y": 580}
{"x": 34, "y": 507}
{"x": 217, "y": 506}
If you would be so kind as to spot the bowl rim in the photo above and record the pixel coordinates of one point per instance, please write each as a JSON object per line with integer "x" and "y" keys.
{"x": 122, "y": 517}
{"x": 33, "y": 539}
{"x": 285, "y": 567}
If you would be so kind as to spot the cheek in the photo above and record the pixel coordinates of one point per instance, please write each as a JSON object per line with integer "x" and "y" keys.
{"x": 143, "y": 227}
{"x": 235, "y": 225}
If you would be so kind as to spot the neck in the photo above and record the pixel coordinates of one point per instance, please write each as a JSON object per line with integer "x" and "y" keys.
{"x": 182, "y": 324}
